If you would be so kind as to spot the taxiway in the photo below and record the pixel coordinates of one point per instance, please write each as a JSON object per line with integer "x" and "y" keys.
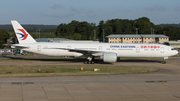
{"x": 157, "y": 86}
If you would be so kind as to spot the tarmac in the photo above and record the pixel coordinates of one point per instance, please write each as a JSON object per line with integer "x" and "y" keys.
{"x": 163, "y": 85}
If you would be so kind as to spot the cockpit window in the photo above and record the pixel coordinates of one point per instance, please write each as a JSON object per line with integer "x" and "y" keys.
{"x": 172, "y": 49}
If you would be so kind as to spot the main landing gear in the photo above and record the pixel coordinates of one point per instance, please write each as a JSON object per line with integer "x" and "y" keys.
{"x": 90, "y": 60}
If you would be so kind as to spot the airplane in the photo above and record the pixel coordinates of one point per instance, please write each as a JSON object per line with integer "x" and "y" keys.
{"x": 108, "y": 52}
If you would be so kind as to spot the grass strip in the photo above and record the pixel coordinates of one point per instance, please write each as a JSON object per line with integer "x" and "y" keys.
{"x": 43, "y": 70}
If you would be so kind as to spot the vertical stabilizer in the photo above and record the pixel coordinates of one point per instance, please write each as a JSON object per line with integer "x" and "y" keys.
{"x": 22, "y": 35}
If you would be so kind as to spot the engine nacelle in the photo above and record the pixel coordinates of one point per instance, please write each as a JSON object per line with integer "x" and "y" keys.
{"x": 109, "y": 57}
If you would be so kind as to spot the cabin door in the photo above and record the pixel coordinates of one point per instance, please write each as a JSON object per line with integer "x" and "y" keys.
{"x": 69, "y": 47}
{"x": 100, "y": 48}
{"x": 162, "y": 49}
{"x": 137, "y": 49}
{"x": 39, "y": 47}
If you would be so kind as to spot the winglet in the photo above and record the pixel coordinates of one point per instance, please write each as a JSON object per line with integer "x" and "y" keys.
{"x": 22, "y": 35}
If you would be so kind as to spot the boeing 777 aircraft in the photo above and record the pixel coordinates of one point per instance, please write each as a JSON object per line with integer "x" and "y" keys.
{"x": 108, "y": 52}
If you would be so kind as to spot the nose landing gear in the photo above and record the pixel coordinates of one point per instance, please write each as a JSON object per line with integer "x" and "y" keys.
{"x": 164, "y": 62}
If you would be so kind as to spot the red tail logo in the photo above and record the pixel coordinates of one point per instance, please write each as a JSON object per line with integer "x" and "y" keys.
{"x": 24, "y": 35}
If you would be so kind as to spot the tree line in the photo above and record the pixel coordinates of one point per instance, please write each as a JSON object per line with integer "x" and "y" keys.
{"x": 86, "y": 31}
{"x": 89, "y": 31}
{"x": 4, "y": 35}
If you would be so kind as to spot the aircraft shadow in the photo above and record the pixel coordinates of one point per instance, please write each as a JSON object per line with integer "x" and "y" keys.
{"x": 141, "y": 61}
{"x": 78, "y": 60}
{"x": 46, "y": 59}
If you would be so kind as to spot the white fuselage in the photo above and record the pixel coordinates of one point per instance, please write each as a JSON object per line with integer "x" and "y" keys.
{"x": 107, "y": 51}
{"x": 122, "y": 50}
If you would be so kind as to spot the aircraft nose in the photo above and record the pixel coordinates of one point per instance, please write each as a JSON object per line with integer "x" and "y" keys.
{"x": 176, "y": 52}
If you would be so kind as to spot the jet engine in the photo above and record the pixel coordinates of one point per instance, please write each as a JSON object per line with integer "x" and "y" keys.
{"x": 109, "y": 57}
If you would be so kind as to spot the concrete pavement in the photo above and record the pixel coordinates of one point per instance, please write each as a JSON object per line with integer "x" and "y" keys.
{"x": 163, "y": 85}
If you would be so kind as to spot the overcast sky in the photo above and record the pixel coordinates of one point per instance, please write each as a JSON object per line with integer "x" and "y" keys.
{"x": 55, "y": 12}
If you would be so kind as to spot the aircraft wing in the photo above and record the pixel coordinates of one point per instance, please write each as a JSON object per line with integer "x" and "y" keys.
{"x": 83, "y": 51}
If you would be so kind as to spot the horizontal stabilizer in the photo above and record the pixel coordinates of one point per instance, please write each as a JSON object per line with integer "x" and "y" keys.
{"x": 19, "y": 46}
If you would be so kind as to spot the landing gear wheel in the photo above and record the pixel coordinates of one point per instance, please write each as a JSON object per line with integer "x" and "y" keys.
{"x": 88, "y": 62}
{"x": 85, "y": 62}
{"x": 92, "y": 62}
{"x": 163, "y": 62}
